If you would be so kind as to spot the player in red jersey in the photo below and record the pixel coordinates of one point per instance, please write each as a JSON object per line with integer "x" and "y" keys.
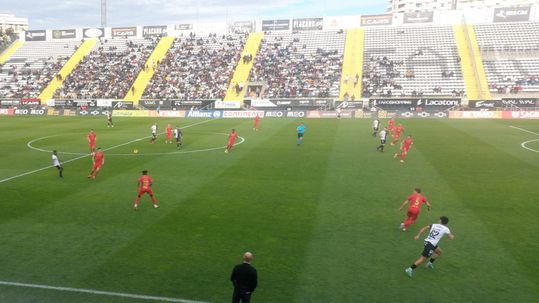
{"x": 91, "y": 140}
{"x": 257, "y": 121}
{"x": 145, "y": 187}
{"x": 398, "y": 130}
{"x": 98, "y": 160}
{"x": 415, "y": 200}
{"x": 405, "y": 147}
{"x": 231, "y": 139}
{"x": 169, "y": 134}
{"x": 391, "y": 125}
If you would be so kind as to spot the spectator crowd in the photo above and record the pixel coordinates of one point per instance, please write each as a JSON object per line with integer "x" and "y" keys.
{"x": 292, "y": 69}
{"x": 197, "y": 68}
{"x": 514, "y": 85}
{"x": 108, "y": 71}
{"x": 28, "y": 79}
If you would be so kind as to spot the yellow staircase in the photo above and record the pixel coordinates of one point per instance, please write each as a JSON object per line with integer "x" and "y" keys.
{"x": 66, "y": 70}
{"x": 241, "y": 74}
{"x": 9, "y": 51}
{"x": 471, "y": 63}
{"x": 352, "y": 63}
{"x": 145, "y": 75}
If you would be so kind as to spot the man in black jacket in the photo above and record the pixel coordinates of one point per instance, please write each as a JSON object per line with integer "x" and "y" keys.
{"x": 245, "y": 280}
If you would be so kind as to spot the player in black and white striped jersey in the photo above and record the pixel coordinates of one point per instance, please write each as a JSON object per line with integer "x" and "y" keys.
{"x": 375, "y": 127}
{"x": 383, "y": 138}
{"x": 56, "y": 162}
{"x": 430, "y": 248}
{"x": 178, "y": 136}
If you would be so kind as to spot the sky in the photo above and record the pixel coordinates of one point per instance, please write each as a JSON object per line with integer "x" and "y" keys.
{"x": 64, "y": 14}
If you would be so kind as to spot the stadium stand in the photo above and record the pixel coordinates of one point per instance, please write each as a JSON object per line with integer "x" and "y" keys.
{"x": 300, "y": 64}
{"x": 411, "y": 61}
{"x": 511, "y": 56}
{"x": 196, "y": 68}
{"x": 31, "y": 67}
{"x": 109, "y": 70}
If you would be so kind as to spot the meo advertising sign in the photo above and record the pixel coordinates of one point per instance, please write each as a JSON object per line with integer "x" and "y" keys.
{"x": 511, "y": 14}
{"x": 118, "y": 32}
{"x": 39, "y": 35}
{"x": 376, "y": 20}
{"x": 308, "y": 24}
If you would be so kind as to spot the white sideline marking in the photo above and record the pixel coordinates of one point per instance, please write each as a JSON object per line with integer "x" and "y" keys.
{"x": 98, "y": 292}
{"x": 523, "y": 144}
{"x": 83, "y": 156}
{"x": 524, "y": 130}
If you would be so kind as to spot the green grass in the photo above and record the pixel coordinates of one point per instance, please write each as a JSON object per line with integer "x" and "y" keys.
{"x": 321, "y": 219}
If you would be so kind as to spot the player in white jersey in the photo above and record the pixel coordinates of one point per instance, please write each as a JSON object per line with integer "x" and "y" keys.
{"x": 383, "y": 138}
{"x": 375, "y": 127}
{"x": 154, "y": 133}
{"x": 436, "y": 233}
{"x": 178, "y": 136}
{"x": 56, "y": 162}
{"x": 339, "y": 112}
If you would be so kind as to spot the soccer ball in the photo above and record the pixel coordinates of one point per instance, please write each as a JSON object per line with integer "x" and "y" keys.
{"x": 135, "y": 151}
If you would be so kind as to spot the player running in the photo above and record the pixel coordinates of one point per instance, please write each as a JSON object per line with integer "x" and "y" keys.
{"x": 391, "y": 125}
{"x": 109, "y": 119}
{"x": 169, "y": 134}
{"x": 145, "y": 187}
{"x": 436, "y": 233}
{"x": 405, "y": 147}
{"x": 56, "y": 162}
{"x": 154, "y": 133}
{"x": 178, "y": 136}
{"x": 375, "y": 127}
{"x": 257, "y": 122}
{"x": 231, "y": 139}
{"x": 383, "y": 138}
{"x": 98, "y": 161}
{"x": 398, "y": 131}
{"x": 301, "y": 132}
{"x": 91, "y": 140}
{"x": 415, "y": 202}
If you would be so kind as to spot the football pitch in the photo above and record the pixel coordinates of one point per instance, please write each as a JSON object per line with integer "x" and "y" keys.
{"x": 321, "y": 219}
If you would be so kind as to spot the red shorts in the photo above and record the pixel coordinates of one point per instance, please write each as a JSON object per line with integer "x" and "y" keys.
{"x": 412, "y": 214}
{"x": 143, "y": 191}
{"x": 92, "y": 144}
{"x": 397, "y": 135}
{"x": 405, "y": 150}
{"x": 169, "y": 136}
{"x": 231, "y": 142}
{"x": 97, "y": 166}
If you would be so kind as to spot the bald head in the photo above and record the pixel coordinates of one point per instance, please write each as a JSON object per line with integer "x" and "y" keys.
{"x": 247, "y": 257}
